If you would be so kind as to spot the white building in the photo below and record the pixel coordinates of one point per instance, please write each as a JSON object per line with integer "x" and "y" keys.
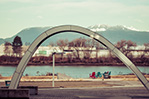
{"x": 48, "y": 50}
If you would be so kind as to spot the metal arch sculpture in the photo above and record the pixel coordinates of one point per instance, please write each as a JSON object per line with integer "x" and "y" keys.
{"x": 71, "y": 28}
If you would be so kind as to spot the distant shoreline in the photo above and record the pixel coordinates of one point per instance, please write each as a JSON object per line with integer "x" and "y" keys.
{"x": 74, "y": 64}
{"x": 42, "y": 61}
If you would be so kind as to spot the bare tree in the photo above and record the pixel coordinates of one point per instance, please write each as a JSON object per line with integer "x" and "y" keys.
{"x": 98, "y": 47}
{"x": 121, "y": 45}
{"x": 146, "y": 50}
{"x": 7, "y": 49}
{"x": 146, "y": 46}
{"x": 130, "y": 46}
{"x": 78, "y": 46}
{"x": 126, "y": 46}
{"x": 69, "y": 57}
{"x": 88, "y": 48}
{"x": 62, "y": 44}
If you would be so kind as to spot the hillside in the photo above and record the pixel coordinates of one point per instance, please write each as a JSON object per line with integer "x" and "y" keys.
{"x": 112, "y": 33}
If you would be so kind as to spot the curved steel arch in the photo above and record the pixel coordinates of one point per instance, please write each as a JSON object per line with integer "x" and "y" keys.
{"x": 71, "y": 28}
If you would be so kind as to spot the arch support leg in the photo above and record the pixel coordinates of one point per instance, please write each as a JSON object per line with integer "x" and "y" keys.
{"x": 19, "y": 70}
{"x": 132, "y": 67}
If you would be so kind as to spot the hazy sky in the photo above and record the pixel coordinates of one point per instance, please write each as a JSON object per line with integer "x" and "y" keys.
{"x": 16, "y": 15}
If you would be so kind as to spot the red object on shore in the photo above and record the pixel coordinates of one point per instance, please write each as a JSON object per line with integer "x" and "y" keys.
{"x": 93, "y": 75}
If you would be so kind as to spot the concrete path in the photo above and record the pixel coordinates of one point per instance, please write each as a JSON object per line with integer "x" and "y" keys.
{"x": 117, "y": 89}
{"x": 122, "y": 90}
{"x": 93, "y": 93}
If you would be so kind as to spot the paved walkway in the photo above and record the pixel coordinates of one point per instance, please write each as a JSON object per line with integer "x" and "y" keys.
{"x": 114, "y": 89}
{"x": 92, "y": 93}
{"x": 119, "y": 90}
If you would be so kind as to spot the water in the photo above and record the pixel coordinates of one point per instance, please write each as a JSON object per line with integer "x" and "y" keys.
{"x": 73, "y": 71}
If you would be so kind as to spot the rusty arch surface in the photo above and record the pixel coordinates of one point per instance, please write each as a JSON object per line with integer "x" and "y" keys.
{"x": 72, "y": 28}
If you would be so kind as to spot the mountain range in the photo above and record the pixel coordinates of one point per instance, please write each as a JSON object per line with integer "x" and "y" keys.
{"x": 112, "y": 33}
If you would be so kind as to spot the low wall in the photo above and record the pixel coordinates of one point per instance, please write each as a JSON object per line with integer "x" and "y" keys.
{"x": 14, "y": 93}
{"x": 33, "y": 90}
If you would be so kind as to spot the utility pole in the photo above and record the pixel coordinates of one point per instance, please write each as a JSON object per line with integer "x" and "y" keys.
{"x": 53, "y": 54}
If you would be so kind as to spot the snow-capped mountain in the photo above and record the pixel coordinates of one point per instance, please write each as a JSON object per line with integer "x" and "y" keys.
{"x": 121, "y": 32}
{"x": 99, "y": 27}
{"x": 104, "y": 27}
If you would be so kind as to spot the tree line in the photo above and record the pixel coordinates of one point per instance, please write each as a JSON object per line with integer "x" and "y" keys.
{"x": 16, "y": 46}
{"x": 82, "y": 51}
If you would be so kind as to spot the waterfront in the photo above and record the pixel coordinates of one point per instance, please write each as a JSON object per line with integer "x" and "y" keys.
{"x": 73, "y": 71}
